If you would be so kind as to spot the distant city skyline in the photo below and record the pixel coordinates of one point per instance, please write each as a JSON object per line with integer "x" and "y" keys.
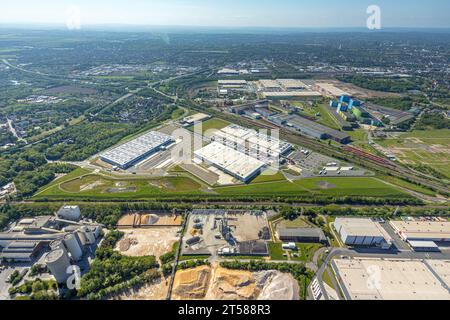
{"x": 231, "y": 13}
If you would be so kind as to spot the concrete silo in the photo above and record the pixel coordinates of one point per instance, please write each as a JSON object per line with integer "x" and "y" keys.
{"x": 98, "y": 230}
{"x": 57, "y": 244}
{"x": 89, "y": 233}
{"x": 82, "y": 237}
{"x": 57, "y": 262}
{"x": 72, "y": 245}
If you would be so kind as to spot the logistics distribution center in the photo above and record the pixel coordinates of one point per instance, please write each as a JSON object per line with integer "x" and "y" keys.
{"x": 255, "y": 144}
{"x": 422, "y": 233}
{"x": 231, "y": 161}
{"x": 362, "y": 232}
{"x": 242, "y": 152}
{"x": 131, "y": 152}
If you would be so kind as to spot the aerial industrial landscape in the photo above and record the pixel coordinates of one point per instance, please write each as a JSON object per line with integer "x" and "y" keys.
{"x": 250, "y": 165}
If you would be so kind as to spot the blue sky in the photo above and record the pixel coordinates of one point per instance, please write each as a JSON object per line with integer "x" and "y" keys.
{"x": 230, "y": 13}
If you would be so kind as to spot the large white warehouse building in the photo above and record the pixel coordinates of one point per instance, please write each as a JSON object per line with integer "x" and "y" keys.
{"x": 362, "y": 232}
{"x": 131, "y": 152}
{"x": 231, "y": 161}
{"x": 256, "y": 144}
{"x": 438, "y": 231}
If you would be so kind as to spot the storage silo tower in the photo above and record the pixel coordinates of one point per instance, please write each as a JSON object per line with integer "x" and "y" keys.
{"x": 57, "y": 262}
{"x": 69, "y": 213}
{"x": 98, "y": 230}
{"x": 89, "y": 233}
{"x": 71, "y": 242}
{"x": 57, "y": 244}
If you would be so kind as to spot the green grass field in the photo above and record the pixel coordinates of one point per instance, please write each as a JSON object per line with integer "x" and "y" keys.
{"x": 426, "y": 147}
{"x": 305, "y": 251}
{"x": 297, "y": 223}
{"x": 213, "y": 123}
{"x": 408, "y": 185}
{"x": 359, "y": 186}
{"x": 276, "y": 251}
{"x": 79, "y": 185}
{"x": 82, "y": 184}
{"x": 269, "y": 176}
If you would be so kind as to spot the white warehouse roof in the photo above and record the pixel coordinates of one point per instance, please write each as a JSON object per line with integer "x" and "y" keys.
{"x": 136, "y": 148}
{"x": 426, "y": 230}
{"x": 231, "y": 161}
{"x": 363, "y": 227}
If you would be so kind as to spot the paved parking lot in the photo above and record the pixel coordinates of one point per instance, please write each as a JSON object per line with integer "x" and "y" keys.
{"x": 313, "y": 163}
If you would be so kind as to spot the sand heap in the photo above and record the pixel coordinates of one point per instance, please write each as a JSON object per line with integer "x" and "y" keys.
{"x": 152, "y": 291}
{"x": 244, "y": 285}
{"x": 232, "y": 285}
{"x": 225, "y": 284}
{"x": 191, "y": 283}
{"x": 281, "y": 286}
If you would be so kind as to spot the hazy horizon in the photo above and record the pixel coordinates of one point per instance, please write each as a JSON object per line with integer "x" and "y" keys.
{"x": 288, "y": 14}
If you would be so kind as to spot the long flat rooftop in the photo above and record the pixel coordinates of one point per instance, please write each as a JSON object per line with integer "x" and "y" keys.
{"x": 331, "y": 88}
{"x": 231, "y": 160}
{"x": 361, "y": 227}
{"x": 253, "y": 139}
{"x": 422, "y": 229}
{"x": 395, "y": 279}
{"x": 132, "y": 150}
{"x": 301, "y": 122}
{"x": 298, "y": 94}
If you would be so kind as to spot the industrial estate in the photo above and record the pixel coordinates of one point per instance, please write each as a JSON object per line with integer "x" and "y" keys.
{"x": 224, "y": 166}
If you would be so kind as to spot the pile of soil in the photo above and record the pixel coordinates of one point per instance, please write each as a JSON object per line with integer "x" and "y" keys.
{"x": 191, "y": 283}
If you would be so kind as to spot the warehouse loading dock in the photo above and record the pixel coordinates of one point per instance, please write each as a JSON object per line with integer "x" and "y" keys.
{"x": 362, "y": 232}
{"x": 437, "y": 231}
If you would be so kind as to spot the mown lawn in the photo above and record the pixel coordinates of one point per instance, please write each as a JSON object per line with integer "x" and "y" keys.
{"x": 213, "y": 123}
{"x": 101, "y": 187}
{"x": 305, "y": 251}
{"x": 360, "y": 186}
{"x": 276, "y": 251}
{"x": 269, "y": 176}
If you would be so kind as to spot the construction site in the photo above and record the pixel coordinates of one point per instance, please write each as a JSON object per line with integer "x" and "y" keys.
{"x": 222, "y": 232}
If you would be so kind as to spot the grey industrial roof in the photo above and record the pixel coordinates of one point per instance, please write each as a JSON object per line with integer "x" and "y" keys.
{"x": 303, "y": 122}
{"x": 302, "y": 232}
{"x": 16, "y": 255}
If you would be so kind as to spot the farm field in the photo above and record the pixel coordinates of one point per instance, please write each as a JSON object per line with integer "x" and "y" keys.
{"x": 431, "y": 148}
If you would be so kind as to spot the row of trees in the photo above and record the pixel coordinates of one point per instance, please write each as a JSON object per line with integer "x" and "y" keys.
{"x": 36, "y": 290}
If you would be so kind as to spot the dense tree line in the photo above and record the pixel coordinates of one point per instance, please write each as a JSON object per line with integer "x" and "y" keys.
{"x": 36, "y": 290}
{"x": 112, "y": 272}
{"x": 397, "y": 85}
{"x": 433, "y": 120}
